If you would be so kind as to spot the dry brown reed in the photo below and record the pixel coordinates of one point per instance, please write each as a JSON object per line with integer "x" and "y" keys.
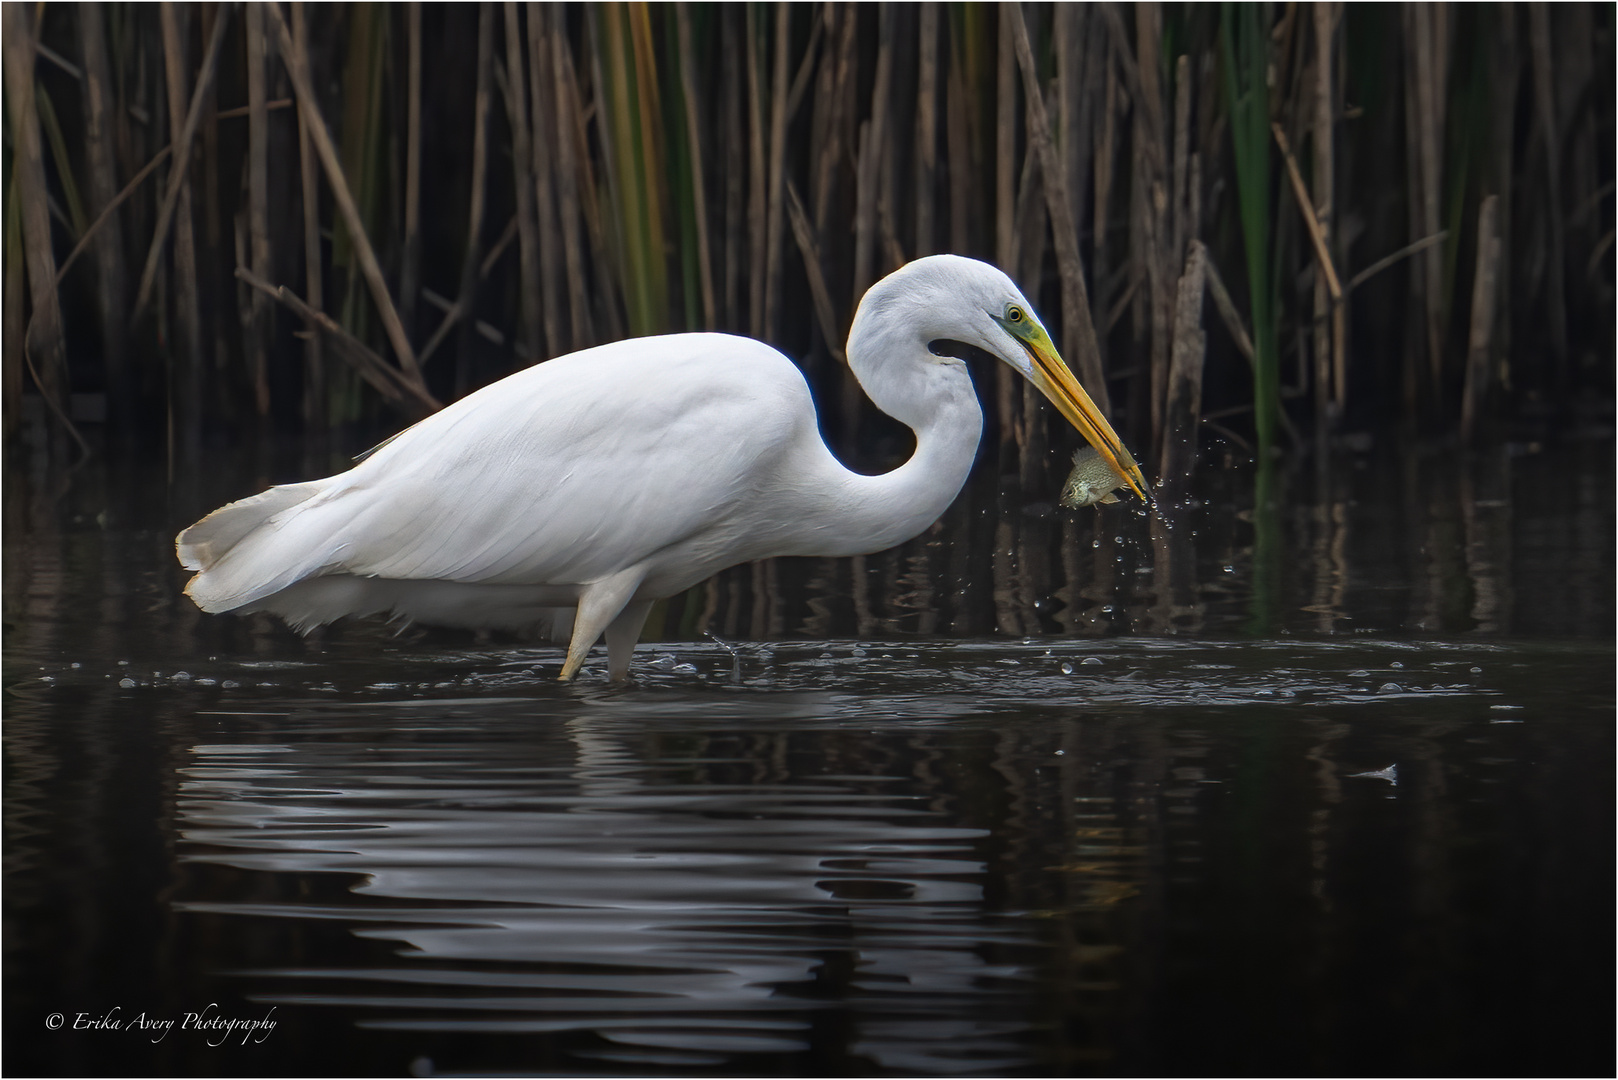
{"x": 754, "y": 168}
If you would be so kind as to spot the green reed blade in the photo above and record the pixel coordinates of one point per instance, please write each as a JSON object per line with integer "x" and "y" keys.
{"x": 633, "y": 119}
{"x": 64, "y": 164}
{"x": 1244, "y": 45}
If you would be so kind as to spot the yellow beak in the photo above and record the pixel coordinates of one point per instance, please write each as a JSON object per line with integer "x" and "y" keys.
{"x": 1056, "y": 382}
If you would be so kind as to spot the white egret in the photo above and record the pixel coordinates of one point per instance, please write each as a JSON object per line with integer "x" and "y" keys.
{"x": 570, "y": 496}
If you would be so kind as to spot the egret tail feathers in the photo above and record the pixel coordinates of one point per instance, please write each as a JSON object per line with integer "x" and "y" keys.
{"x": 204, "y": 543}
{"x": 284, "y": 552}
{"x": 242, "y": 551}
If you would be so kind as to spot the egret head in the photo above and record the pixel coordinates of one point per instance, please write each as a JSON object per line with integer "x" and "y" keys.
{"x": 956, "y": 306}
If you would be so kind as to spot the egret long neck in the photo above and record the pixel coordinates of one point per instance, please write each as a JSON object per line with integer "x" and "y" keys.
{"x": 898, "y": 505}
{"x": 933, "y": 396}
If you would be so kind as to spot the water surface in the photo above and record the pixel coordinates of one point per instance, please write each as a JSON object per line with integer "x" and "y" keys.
{"x": 1325, "y": 791}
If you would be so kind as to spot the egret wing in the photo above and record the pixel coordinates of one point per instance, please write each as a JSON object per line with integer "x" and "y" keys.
{"x": 561, "y": 474}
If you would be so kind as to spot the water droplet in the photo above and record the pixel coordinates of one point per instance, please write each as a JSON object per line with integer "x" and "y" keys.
{"x": 1091, "y": 660}
{"x": 182, "y": 676}
{"x": 1477, "y": 671}
{"x": 127, "y": 683}
{"x": 230, "y": 684}
{"x": 1396, "y": 664}
{"x": 1227, "y": 569}
{"x": 1390, "y": 688}
{"x": 685, "y": 669}
{"x": 1067, "y": 669}
{"x": 1059, "y": 753}
{"x": 75, "y": 665}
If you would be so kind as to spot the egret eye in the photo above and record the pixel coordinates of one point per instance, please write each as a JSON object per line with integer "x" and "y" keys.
{"x": 1014, "y": 314}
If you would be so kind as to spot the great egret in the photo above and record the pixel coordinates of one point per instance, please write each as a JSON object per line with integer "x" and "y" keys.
{"x": 573, "y": 494}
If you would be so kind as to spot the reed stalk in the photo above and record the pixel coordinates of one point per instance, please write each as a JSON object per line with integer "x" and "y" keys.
{"x": 609, "y": 302}
{"x": 755, "y": 168}
{"x": 1330, "y": 316}
{"x": 1183, "y": 406}
{"x": 635, "y": 163}
{"x": 692, "y": 105}
{"x": 410, "y": 252}
{"x": 75, "y": 218}
{"x": 1079, "y": 335}
{"x": 775, "y": 193}
{"x": 185, "y": 376}
{"x": 1075, "y": 71}
{"x": 177, "y": 169}
{"x": 1481, "y": 328}
{"x": 466, "y": 297}
{"x": 257, "y": 324}
{"x": 42, "y": 338}
{"x": 1244, "y": 44}
{"x": 387, "y": 379}
{"x": 102, "y": 177}
{"x": 568, "y": 205}
{"x": 297, "y": 66}
{"x": 819, "y": 293}
{"x": 535, "y": 326}
{"x": 543, "y": 167}
{"x": 1543, "y": 66}
{"x": 314, "y": 394}
{"x": 1005, "y": 127}
{"x": 11, "y": 345}
{"x": 1428, "y": 72}
{"x": 927, "y": 80}
{"x": 1105, "y": 166}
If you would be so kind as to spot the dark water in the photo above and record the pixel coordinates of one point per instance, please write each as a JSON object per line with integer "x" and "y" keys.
{"x": 1320, "y": 788}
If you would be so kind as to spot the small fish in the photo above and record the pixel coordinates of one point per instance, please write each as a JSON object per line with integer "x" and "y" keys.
{"x": 1091, "y": 481}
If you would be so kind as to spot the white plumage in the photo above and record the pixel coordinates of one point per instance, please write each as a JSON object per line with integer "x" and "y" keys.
{"x": 599, "y": 482}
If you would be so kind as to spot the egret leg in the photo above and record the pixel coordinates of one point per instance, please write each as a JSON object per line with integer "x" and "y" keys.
{"x": 599, "y": 604}
{"x": 622, "y": 633}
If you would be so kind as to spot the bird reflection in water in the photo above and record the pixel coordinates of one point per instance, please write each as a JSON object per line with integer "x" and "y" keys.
{"x": 690, "y": 901}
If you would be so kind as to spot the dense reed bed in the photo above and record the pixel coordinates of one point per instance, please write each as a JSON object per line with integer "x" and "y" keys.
{"x": 1282, "y": 224}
